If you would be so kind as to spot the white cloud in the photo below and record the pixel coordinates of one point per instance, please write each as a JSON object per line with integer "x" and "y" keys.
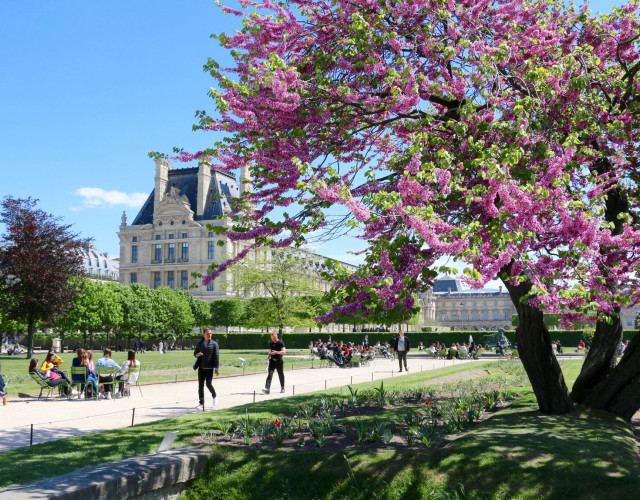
{"x": 99, "y": 198}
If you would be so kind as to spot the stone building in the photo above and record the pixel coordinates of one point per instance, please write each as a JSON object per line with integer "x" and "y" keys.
{"x": 452, "y": 304}
{"x": 168, "y": 239}
{"x": 98, "y": 265}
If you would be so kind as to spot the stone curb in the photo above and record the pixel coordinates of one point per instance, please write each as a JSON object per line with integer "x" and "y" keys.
{"x": 144, "y": 476}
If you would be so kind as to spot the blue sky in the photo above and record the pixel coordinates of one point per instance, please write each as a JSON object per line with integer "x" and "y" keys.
{"x": 89, "y": 88}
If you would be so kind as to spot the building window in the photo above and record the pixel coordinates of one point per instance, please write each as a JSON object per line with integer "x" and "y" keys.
{"x": 185, "y": 235}
{"x": 210, "y": 234}
{"x": 185, "y": 251}
{"x": 184, "y": 284}
{"x": 156, "y": 279}
{"x": 134, "y": 253}
{"x": 171, "y": 255}
{"x": 158, "y": 237}
{"x": 134, "y": 239}
{"x": 170, "y": 280}
{"x": 172, "y": 236}
{"x": 158, "y": 254}
{"x": 210, "y": 251}
{"x": 134, "y": 278}
{"x": 210, "y": 287}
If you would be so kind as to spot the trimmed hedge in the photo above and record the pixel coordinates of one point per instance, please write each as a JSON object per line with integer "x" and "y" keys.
{"x": 568, "y": 338}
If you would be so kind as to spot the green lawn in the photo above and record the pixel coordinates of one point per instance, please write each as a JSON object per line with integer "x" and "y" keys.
{"x": 156, "y": 367}
{"x": 517, "y": 453}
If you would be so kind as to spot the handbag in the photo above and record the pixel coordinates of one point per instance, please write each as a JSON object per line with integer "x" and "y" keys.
{"x": 196, "y": 364}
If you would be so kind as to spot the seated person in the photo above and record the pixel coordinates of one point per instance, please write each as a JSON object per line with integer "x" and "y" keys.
{"x": 3, "y": 393}
{"x": 132, "y": 378}
{"x": 82, "y": 360}
{"x": 50, "y": 367}
{"x": 52, "y": 380}
{"x": 106, "y": 361}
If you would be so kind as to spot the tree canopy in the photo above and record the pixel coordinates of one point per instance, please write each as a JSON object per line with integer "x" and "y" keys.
{"x": 38, "y": 259}
{"x": 502, "y": 133}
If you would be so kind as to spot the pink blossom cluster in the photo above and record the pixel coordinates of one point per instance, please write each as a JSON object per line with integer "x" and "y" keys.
{"x": 498, "y": 132}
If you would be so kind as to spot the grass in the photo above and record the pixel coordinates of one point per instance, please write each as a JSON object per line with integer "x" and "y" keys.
{"x": 156, "y": 367}
{"x": 517, "y": 453}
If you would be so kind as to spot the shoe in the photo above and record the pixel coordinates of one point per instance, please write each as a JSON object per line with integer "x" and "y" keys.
{"x": 265, "y": 391}
{"x": 108, "y": 396}
{"x": 282, "y": 391}
{"x": 4, "y": 399}
{"x": 102, "y": 396}
{"x": 406, "y": 369}
{"x": 118, "y": 394}
{"x": 400, "y": 371}
{"x": 74, "y": 392}
{"x": 215, "y": 401}
{"x": 200, "y": 407}
{"x": 81, "y": 395}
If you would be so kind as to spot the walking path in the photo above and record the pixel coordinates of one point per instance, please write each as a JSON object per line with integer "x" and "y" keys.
{"x": 47, "y": 420}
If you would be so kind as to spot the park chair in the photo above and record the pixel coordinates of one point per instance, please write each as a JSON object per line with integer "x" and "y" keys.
{"x": 133, "y": 370}
{"x": 463, "y": 353}
{"x": 106, "y": 371}
{"x": 453, "y": 353}
{"x": 43, "y": 385}
{"x": 80, "y": 372}
{"x": 442, "y": 353}
{"x": 355, "y": 359}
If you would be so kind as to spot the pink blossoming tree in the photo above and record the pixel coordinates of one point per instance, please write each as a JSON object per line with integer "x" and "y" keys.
{"x": 501, "y": 133}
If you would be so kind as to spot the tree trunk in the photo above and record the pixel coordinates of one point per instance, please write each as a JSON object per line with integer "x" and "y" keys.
{"x": 601, "y": 359}
{"x": 534, "y": 349}
{"x": 30, "y": 330}
{"x": 619, "y": 393}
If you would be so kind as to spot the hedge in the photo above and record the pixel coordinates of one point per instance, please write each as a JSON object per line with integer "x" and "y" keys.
{"x": 301, "y": 340}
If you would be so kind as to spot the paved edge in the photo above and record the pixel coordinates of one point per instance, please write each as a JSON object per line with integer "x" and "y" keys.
{"x": 130, "y": 478}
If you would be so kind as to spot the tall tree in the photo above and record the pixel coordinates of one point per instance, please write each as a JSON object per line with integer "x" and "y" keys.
{"x": 173, "y": 311}
{"x": 226, "y": 312}
{"x": 199, "y": 308}
{"x": 138, "y": 308}
{"x": 281, "y": 276}
{"x": 38, "y": 260}
{"x": 502, "y": 133}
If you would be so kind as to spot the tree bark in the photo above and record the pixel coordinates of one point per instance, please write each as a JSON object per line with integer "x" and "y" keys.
{"x": 30, "y": 330}
{"x": 534, "y": 349}
{"x": 601, "y": 359}
{"x": 619, "y": 393}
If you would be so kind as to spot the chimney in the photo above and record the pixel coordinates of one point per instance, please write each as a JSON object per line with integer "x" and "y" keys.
{"x": 204, "y": 182}
{"x": 162, "y": 178}
{"x": 246, "y": 185}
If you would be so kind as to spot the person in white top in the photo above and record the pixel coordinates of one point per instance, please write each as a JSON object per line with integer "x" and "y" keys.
{"x": 132, "y": 378}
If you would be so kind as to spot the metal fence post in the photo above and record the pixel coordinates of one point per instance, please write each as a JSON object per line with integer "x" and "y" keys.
{"x": 31, "y": 438}
{"x": 133, "y": 415}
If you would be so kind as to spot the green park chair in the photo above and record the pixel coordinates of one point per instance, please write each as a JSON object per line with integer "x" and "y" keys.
{"x": 81, "y": 372}
{"x": 43, "y": 385}
{"x": 106, "y": 371}
{"x": 133, "y": 370}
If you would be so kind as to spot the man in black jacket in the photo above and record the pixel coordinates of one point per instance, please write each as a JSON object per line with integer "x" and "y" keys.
{"x": 208, "y": 360}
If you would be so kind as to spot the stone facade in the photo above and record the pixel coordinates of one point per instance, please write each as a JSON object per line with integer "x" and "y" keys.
{"x": 451, "y": 304}
{"x": 169, "y": 240}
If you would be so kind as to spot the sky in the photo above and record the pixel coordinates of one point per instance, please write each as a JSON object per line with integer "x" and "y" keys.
{"x": 89, "y": 88}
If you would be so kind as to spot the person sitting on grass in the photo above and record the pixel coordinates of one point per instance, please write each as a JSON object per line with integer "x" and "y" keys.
{"x": 132, "y": 378}
{"x": 52, "y": 380}
{"x": 107, "y": 362}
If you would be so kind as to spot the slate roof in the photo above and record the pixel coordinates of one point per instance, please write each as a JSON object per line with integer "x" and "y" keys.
{"x": 448, "y": 285}
{"x": 186, "y": 180}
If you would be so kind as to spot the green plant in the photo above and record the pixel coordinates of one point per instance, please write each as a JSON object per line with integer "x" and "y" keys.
{"x": 381, "y": 395}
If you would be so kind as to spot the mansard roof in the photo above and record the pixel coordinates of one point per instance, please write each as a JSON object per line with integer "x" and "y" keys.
{"x": 186, "y": 181}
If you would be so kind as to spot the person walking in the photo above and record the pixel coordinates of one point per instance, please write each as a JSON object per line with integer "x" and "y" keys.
{"x": 401, "y": 347}
{"x": 3, "y": 393}
{"x": 207, "y": 355}
{"x": 276, "y": 351}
